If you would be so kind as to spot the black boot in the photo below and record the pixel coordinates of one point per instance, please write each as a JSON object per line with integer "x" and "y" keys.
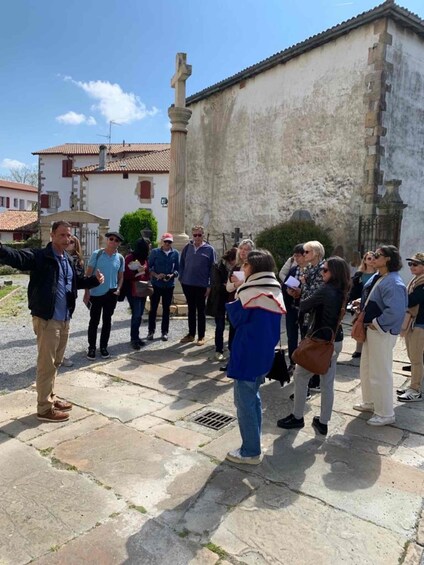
{"x": 290, "y": 423}
{"x": 320, "y": 428}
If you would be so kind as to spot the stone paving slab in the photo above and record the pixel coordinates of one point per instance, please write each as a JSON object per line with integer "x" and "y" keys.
{"x": 131, "y": 538}
{"x": 143, "y": 423}
{"x": 276, "y": 525}
{"x": 119, "y": 400}
{"x": 178, "y": 409}
{"x": 144, "y": 470}
{"x": 188, "y": 439}
{"x": 74, "y": 429}
{"x": 411, "y": 451}
{"x": 42, "y": 506}
{"x": 84, "y": 378}
{"x": 373, "y": 488}
{"x": 17, "y": 405}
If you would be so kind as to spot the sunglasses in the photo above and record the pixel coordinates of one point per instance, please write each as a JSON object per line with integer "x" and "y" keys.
{"x": 324, "y": 269}
{"x": 167, "y": 241}
{"x": 413, "y": 264}
{"x": 370, "y": 258}
{"x": 197, "y": 235}
{"x": 377, "y": 255}
{"x": 114, "y": 239}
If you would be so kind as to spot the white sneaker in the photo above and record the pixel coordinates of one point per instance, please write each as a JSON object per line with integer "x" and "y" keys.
{"x": 236, "y": 457}
{"x": 410, "y": 395}
{"x": 381, "y": 420}
{"x": 67, "y": 362}
{"x": 219, "y": 356}
{"x": 364, "y": 407}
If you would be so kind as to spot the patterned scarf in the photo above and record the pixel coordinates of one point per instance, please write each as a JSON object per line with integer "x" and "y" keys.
{"x": 262, "y": 290}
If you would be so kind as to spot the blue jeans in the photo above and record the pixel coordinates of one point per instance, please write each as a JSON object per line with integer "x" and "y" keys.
{"x": 249, "y": 415}
{"x": 137, "y": 309}
{"x": 219, "y": 333}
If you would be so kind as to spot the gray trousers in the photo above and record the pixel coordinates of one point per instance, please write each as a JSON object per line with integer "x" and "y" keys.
{"x": 301, "y": 380}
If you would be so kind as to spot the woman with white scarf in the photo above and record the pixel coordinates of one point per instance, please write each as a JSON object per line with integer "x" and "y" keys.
{"x": 256, "y": 316}
{"x": 414, "y": 335}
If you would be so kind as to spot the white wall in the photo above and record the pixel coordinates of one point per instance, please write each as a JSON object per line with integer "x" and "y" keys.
{"x": 111, "y": 196}
{"x": 292, "y": 137}
{"x": 12, "y": 193}
{"x": 404, "y": 142}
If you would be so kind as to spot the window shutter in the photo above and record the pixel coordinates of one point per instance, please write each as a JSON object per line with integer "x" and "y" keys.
{"x": 66, "y": 168}
{"x": 44, "y": 201}
{"x": 146, "y": 190}
{"x": 7, "y": 202}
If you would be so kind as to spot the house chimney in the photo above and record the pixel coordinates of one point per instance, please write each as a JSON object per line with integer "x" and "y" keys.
{"x": 102, "y": 157}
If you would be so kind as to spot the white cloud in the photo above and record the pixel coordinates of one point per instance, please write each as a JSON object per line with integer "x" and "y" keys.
{"x": 113, "y": 103}
{"x": 74, "y": 119}
{"x": 11, "y": 164}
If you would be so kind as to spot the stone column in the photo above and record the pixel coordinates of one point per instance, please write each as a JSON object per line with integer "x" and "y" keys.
{"x": 179, "y": 116}
{"x": 177, "y": 175}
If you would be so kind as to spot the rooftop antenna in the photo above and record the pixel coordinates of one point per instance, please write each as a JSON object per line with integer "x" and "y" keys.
{"x": 109, "y": 136}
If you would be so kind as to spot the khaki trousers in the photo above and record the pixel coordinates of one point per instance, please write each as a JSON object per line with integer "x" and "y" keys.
{"x": 52, "y": 337}
{"x": 415, "y": 347}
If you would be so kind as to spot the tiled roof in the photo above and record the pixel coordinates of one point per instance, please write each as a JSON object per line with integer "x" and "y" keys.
{"x": 17, "y": 186}
{"x": 388, "y": 9}
{"x": 154, "y": 162}
{"x": 18, "y": 220}
{"x": 93, "y": 148}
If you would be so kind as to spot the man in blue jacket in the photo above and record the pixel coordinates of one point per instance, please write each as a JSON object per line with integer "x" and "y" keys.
{"x": 52, "y": 292}
{"x": 164, "y": 264}
{"x": 197, "y": 259}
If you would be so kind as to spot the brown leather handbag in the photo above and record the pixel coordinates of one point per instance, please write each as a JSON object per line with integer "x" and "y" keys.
{"x": 358, "y": 331}
{"x": 314, "y": 354}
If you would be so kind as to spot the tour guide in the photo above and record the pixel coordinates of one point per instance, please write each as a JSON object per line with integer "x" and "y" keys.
{"x": 52, "y": 292}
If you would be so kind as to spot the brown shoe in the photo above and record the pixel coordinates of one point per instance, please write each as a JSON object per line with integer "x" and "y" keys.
{"x": 187, "y": 339}
{"x": 201, "y": 341}
{"x": 53, "y": 416}
{"x": 62, "y": 405}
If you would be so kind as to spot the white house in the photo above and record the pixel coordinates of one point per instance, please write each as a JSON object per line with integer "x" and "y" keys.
{"x": 18, "y": 225}
{"x": 17, "y": 196}
{"x": 111, "y": 189}
{"x": 132, "y": 176}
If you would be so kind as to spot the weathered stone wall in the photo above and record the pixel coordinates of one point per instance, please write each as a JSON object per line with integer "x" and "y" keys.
{"x": 292, "y": 137}
{"x": 404, "y": 142}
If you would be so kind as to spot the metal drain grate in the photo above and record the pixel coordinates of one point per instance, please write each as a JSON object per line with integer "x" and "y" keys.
{"x": 213, "y": 420}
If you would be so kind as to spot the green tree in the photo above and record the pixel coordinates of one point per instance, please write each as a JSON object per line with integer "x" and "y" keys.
{"x": 133, "y": 223}
{"x": 281, "y": 238}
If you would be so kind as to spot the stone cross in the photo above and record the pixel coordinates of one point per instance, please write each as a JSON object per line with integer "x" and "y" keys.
{"x": 182, "y": 72}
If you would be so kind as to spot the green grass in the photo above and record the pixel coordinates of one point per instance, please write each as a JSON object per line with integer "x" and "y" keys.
{"x": 216, "y": 549}
{"x": 140, "y": 509}
{"x": 15, "y": 304}
{"x": 5, "y": 290}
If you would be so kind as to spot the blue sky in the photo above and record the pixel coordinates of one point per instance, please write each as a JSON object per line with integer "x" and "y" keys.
{"x": 67, "y": 68}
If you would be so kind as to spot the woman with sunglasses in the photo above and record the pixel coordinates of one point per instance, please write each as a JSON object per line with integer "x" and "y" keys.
{"x": 365, "y": 271}
{"x": 256, "y": 315}
{"x": 384, "y": 301}
{"x": 414, "y": 335}
{"x": 324, "y": 307}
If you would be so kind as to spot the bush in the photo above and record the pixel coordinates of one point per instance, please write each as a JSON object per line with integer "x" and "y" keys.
{"x": 6, "y": 270}
{"x": 281, "y": 238}
{"x": 133, "y": 222}
{"x": 31, "y": 243}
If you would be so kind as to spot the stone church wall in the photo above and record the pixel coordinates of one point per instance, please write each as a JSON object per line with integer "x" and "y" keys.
{"x": 404, "y": 142}
{"x": 291, "y": 137}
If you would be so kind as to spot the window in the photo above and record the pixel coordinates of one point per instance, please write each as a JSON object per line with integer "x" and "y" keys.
{"x": 21, "y": 204}
{"x": 145, "y": 190}
{"x": 50, "y": 200}
{"x": 66, "y": 168}
{"x": 124, "y": 175}
{"x": 4, "y": 202}
{"x": 15, "y": 202}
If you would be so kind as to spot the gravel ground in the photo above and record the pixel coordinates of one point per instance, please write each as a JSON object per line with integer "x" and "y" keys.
{"x": 18, "y": 351}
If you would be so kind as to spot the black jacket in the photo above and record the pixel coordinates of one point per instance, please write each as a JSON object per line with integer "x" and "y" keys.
{"x": 417, "y": 298}
{"x": 218, "y": 296}
{"x": 44, "y": 273}
{"x": 325, "y": 306}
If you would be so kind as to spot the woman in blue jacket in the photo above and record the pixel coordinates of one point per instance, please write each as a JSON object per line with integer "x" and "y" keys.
{"x": 256, "y": 316}
{"x": 384, "y": 300}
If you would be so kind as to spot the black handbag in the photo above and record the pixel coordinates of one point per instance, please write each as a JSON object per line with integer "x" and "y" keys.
{"x": 279, "y": 371}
